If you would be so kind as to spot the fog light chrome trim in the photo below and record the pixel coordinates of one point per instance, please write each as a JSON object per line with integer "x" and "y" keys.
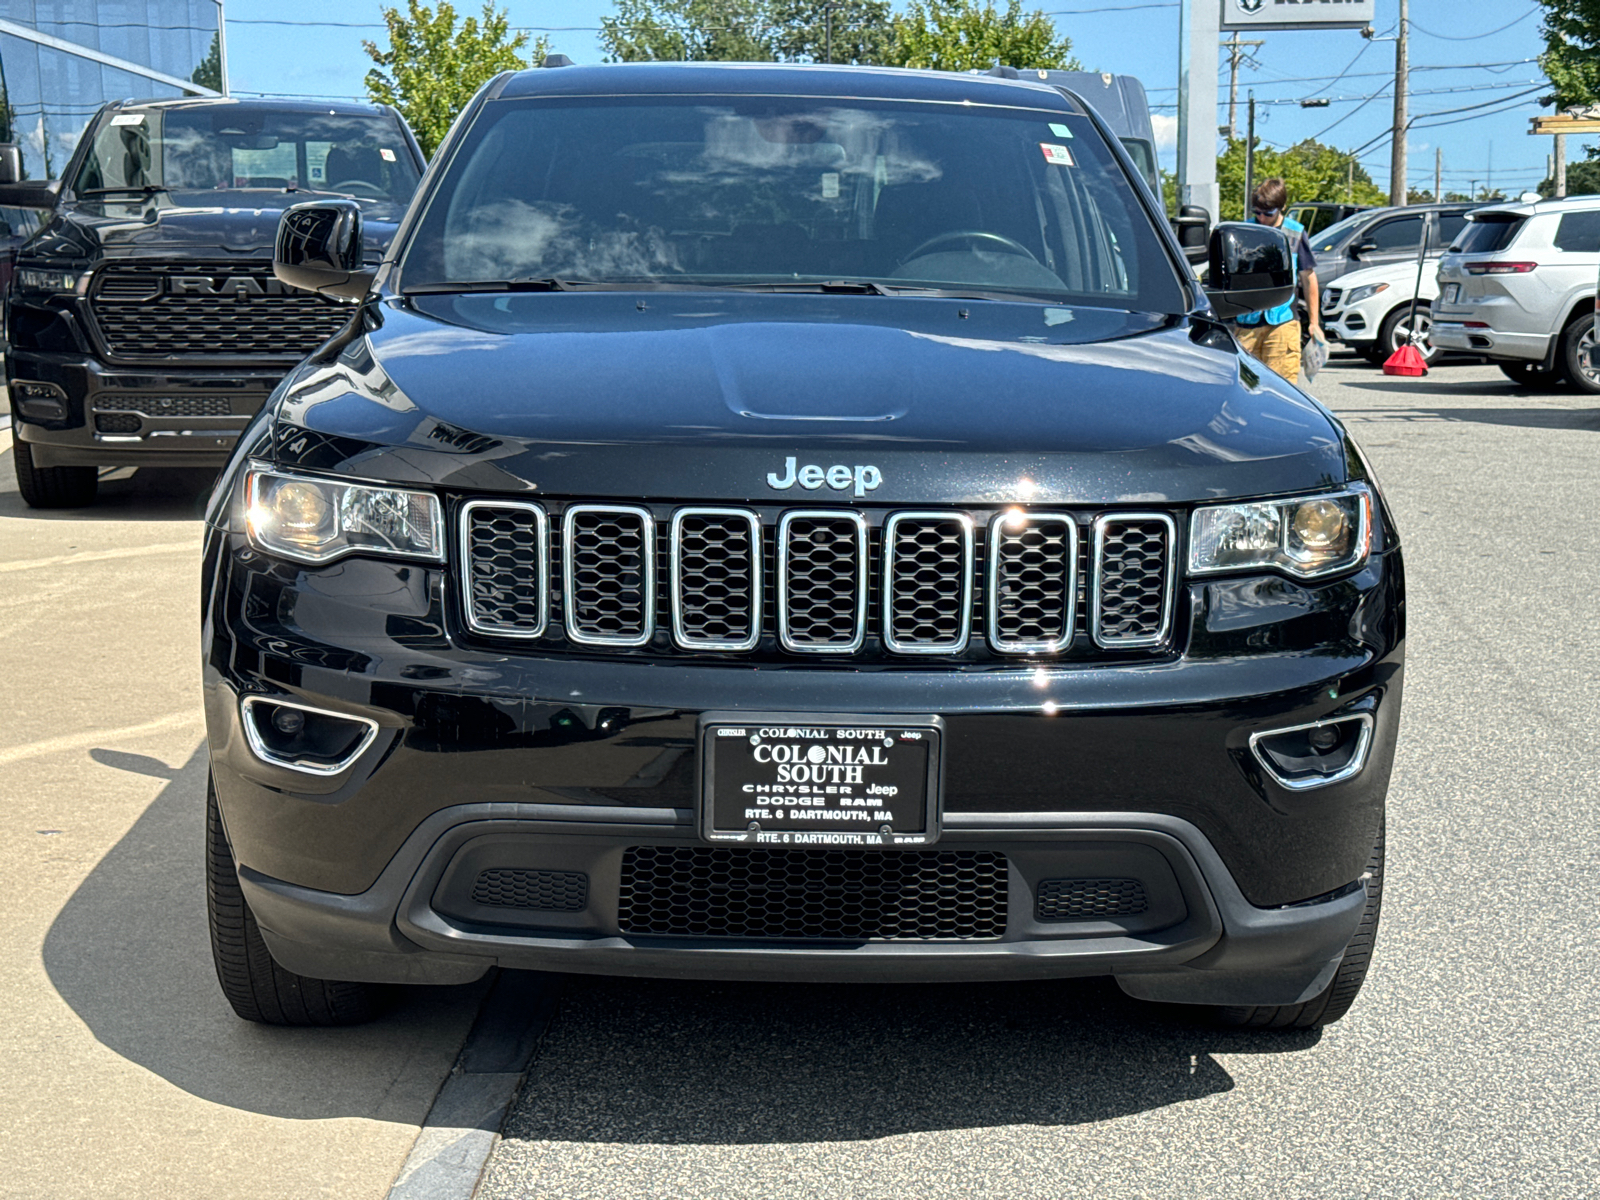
{"x": 1357, "y": 763}
{"x": 265, "y": 753}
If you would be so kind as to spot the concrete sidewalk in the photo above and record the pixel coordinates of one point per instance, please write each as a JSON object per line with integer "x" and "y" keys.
{"x": 122, "y": 1070}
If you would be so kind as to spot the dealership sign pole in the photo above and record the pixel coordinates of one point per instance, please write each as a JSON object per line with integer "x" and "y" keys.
{"x": 1201, "y": 24}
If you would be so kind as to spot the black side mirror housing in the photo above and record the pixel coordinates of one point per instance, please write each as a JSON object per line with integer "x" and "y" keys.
{"x": 1361, "y": 248}
{"x": 319, "y": 249}
{"x": 1251, "y": 269}
{"x": 10, "y": 163}
{"x": 1192, "y": 227}
{"x": 17, "y": 192}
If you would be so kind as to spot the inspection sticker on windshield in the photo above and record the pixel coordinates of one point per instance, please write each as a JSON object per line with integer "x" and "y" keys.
{"x": 128, "y": 119}
{"x": 1059, "y": 155}
{"x": 830, "y": 185}
{"x": 1060, "y": 130}
{"x": 386, "y": 154}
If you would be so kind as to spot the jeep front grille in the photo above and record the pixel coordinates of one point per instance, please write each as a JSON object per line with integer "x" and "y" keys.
{"x": 235, "y": 310}
{"x": 819, "y": 582}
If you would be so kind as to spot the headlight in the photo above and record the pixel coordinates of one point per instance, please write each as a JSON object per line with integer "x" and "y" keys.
{"x": 317, "y": 520}
{"x": 1306, "y": 537}
{"x": 47, "y": 281}
{"x": 1365, "y": 293}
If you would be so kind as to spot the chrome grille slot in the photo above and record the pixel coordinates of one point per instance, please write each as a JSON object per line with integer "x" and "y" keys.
{"x": 609, "y": 574}
{"x": 822, "y": 581}
{"x": 927, "y": 582}
{"x": 505, "y": 583}
{"x": 1133, "y": 591}
{"x": 1033, "y": 582}
{"x": 716, "y": 578}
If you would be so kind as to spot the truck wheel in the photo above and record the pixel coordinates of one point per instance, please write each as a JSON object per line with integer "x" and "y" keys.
{"x": 1328, "y": 1005}
{"x": 1396, "y": 332}
{"x": 1530, "y": 375}
{"x": 1577, "y": 342}
{"x": 258, "y": 988}
{"x": 53, "y": 487}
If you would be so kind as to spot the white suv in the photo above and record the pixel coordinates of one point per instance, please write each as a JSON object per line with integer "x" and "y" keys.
{"x": 1370, "y": 310}
{"x": 1518, "y": 286}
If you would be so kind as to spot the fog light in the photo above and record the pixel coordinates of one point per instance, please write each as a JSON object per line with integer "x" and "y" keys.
{"x": 289, "y": 721}
{"x": 313, "y": 741}
{"x": 1315, "y": 755}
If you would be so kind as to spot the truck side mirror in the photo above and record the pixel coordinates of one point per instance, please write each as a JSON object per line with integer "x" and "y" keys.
{"x": 1251, "y": 269}
{"x": 319, "y": 249}
{"x": 10, "y": 163}
{"x": 1192, "y": 226}
{"x": 16, "y": 192}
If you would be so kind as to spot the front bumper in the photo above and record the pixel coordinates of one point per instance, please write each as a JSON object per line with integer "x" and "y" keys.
{"x": 91, "y": 414}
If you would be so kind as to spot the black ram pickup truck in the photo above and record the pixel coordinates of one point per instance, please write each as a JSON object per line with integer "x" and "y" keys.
{"x": 144, "y": 325}
{"x": 794, "y": 523}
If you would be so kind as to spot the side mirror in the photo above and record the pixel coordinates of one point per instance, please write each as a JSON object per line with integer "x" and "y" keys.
{"x": 10, "y": 163}
{"x": 1251, "y": 269}
{"x": 319, "y": 249}
{"x": 1192, "y": 227}
{"x": 1361, "y": 248}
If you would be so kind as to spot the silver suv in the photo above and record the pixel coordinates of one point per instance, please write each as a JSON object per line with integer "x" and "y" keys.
{"x": 1518, "y": 286}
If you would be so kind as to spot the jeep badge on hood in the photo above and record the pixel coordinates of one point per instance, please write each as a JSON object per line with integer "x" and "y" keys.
{"x": 838, "y": 477}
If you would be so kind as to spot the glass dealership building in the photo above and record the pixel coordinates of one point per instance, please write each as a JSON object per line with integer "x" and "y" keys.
{"x": 61, "y": 59}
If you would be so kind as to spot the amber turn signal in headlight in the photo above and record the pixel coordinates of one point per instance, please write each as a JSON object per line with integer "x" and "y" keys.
{"x": 1306, "y": 537}
{"x": 317, "y": 520}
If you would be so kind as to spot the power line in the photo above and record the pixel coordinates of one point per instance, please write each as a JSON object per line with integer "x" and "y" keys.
{"x": 1472, "y": 37}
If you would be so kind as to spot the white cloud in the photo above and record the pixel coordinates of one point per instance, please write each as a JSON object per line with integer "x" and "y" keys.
{"x": 1166, "y": 128}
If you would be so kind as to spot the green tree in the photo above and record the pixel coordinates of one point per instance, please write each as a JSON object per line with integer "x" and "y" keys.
{"x": 209, "y": 73}
{"x": 1310, "y": 170}
{"x": 1169, "y": 190}
{"x": 861, "y": 30}
{"x": 1571, "y": 58}
{"x": 1583, "y": 178}
{"x": 747, "y": 31}
{"x": 431, "y": 68}
{"x": 965, "y": 35}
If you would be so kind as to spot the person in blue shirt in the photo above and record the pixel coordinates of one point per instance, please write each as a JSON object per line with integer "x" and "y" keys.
{"x": 1273, "y": 336}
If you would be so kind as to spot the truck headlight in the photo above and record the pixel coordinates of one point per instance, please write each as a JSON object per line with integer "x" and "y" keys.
{"x": 317, "y": 520}
{"x": 31, "y": 280}
{"x": 1306, "y": 537}
{"x": 1365, "y": 293}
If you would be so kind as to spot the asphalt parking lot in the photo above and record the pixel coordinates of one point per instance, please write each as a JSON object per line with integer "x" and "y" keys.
{"x": 1470, "y": 1065}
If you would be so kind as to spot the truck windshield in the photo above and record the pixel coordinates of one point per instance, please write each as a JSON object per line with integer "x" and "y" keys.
{"x": 780, "y": 191}
{"x": 208, "y": 147}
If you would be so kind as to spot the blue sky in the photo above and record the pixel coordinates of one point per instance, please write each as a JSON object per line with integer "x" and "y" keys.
{"x": 1463, "y": 53}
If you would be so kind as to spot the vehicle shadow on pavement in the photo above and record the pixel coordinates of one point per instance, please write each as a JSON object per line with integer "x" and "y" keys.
{"x": 1527, "y": 418}
{"x": 129, "y": 953}
{"x": 636, "y": 1061}
{"x": 149, "y": 494}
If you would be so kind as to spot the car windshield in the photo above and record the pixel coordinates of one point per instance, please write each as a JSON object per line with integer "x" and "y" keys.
{"x": 1338, "y": 233}
{"x": 222, "y": 146}
{"x": 775, "y": 191}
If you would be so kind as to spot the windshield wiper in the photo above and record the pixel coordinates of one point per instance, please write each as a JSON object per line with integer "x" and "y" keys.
{"x": 148, "y": 189}
{"x": 498, "y": 285}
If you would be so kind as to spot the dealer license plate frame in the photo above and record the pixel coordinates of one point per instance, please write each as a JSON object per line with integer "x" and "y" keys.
{"x": 930, "y": 731}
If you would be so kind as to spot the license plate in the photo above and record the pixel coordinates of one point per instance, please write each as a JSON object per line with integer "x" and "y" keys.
{"x": 1451, "y": 291}
{"x": 793, "y": 779}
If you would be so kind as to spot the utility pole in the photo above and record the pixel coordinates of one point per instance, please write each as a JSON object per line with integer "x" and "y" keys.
{"x": 1561, "y": 165}
{"x": 1250, "y": 157}
{"x": 1235, "y": 57}
{"x": 1350, "y": 182}
{"x": 1397, "y": 154}
{"x": 1438, "y": 173}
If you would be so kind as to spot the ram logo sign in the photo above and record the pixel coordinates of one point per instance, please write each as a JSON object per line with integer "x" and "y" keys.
{"x": 1298, "y": 14}
{"x": 242, "y": 288}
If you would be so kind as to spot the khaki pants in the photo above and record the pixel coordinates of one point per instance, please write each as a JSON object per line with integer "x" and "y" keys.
{"x": 1276, "y": 345}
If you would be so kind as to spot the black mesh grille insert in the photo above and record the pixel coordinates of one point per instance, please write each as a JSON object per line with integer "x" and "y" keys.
{"x": 929, "y": 577}
{"x": 1035, "y": 591}
{"x": 822, "y": 582}
{"x": 117, "y": 423}
{"x": 1131, "y": 586}
{"x": 609, "y": 563}
{"x": 726, "y": 891}
{"x": 516, "y": 887}
{"x": 1087, "y": 899}
{"x": 505, "y": 557}
{"x": 230, "y": 310}
{"x": 167, "y": 406}
{"x": 716, "y": 589}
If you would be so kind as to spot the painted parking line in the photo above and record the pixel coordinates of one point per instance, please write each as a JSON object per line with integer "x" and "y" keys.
{"x": 88, "y": 556}
{"x": 97, "y": 737}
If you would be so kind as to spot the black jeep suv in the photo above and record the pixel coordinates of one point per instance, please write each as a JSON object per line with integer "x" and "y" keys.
{"x": 794, "y": 523}
{"x": 144, "y": 324}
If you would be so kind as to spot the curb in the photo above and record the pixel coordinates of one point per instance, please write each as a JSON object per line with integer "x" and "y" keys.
{"x": 463, "y": 1126}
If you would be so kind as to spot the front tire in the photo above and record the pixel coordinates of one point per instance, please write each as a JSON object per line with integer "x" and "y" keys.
{"x": 52, "y": 487}
{"x": 1530, "y": 375}
{"x": 1328, "y": 1005}
{"x": 256, "y": 986}
{"x": 1577, "y": 342}
{"x": 1396, "y": 332}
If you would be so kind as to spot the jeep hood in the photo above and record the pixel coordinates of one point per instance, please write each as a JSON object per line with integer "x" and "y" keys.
{"x": 700, "y": 394}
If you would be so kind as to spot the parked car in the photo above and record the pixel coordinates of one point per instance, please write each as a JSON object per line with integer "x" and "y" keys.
{"x": 1518, "y": 287}
{"x": 145, "y": 325}
{"x": 1380, "y": 236}
{"x": 674, "y": 568}
{"x": 1370, "y": 310}
{"x": 1317, "y": 215}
